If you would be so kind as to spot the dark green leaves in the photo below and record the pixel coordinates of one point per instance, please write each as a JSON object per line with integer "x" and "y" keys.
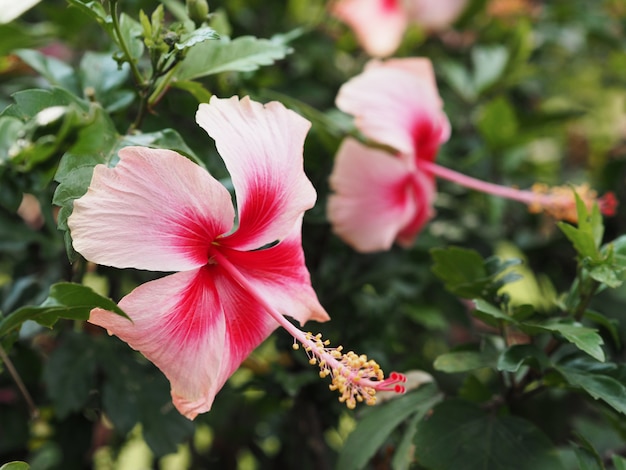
{"x": 597, "y": 384}
{"x": 133, "y": 393}
{"x": 467, "y": 275}
{"x": 70, "y": 301}
{"x": 459, "y": 435}
{"x": 584, "y": 338}
{"x": 374, "y": 429}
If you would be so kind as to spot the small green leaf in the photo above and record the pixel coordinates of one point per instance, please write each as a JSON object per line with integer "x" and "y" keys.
{"x": 459, "y": 80}
{"x": 588, "y": 236}
{"x": 605, "y": 273}
{"x": 244, "y": 54}
{"x": 497, "y": 123}
{"x": 459, "y": 435}
{"x": 491, "y": 313}
{"x": 461, "y": 270}
{"x": 372, "y": 431}
{"x": 463, "y": 361}
{"x": 586, "y": 339}
{"x": 15, "y": 466}
{"x": 489, "y": 64}
{"x": 518, "y": 355}
{"x": 582, "y": 241}
{"x": 65, "y": 300}
{"x": 196, "y": 37}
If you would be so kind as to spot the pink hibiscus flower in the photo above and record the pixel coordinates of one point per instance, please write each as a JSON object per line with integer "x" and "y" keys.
{"x": 381, "y": 197}
{"x": 233, "y": 282}
{"x": 385, "y": 194}
{"x": 379, "y": 25}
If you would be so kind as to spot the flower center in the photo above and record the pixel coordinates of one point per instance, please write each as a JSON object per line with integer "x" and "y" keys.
{"x": 354, "y": 376}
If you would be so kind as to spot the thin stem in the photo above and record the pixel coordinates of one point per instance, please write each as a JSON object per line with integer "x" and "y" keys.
{"x": 527, "y": 197}
{"x": 34, "y": 412}
{"x": 125, "y": 50}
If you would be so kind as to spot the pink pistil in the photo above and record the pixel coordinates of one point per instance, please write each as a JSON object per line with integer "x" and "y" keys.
{"x": 556, "y": 201}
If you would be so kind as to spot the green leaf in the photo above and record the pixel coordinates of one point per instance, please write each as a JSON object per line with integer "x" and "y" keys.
{"x": 460, "y": 435}
{"x": 618, "y": 462}
{"x": 461, "y": 270}
{"x": 374, "y": 429}
{"x": 490, "y": 313}
{"x": 103, "y": 76}
{"x": 489, "y": 64}
{"x": 459, "y": 80}
{"x": 10, "y": 128}
{"x": 518, "y": 355}
{"x": 587, "y": 455}
{"x": 70, "y": 373}
{"x": 96, "y": 11}
{"x": 29, "y": 103}
{"x": 131, "y": 32}
{"x": 244, "y": 54}
{"x": 599, "y": 386}
{"x": 56, "y": 72}
{"x": 497, "y": 123}
{"x": 15, "y": 466}
{"x": 588, "y": 236}
{"x": 583, "y": 242}
{"x": 136, "y": 394}
{"x": 611, "y": 324}
{"x": 463, "y": 361}
{"x": 196, "y": 89}
{"x": 403, "y": 455}
{"x": 584, "y": 338}
{"x": 65, "y": 300}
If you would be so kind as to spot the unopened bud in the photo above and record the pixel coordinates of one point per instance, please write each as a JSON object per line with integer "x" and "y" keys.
{"x": 198, "y": 11}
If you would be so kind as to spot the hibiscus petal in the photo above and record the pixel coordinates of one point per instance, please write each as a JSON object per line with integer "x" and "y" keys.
{"x": 262, "y": 149}
{"x": 396, "y": 104}
{"x": 195, "y": 326}
{"x": 435, "y": 15}
{"x": 424, "y": 192}
{"x": 374, "y": 197}
{"x": 378, "y": 24}
{"x": 155, "y": 210}
{"x": 280, "y": 276}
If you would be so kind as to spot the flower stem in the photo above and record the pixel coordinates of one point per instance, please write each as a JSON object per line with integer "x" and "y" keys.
{"x": 34, "y": 412}
{"x": 125, "y": 50}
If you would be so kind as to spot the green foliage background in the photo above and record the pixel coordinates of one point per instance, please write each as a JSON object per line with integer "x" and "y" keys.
{"x": 518, "y": 320}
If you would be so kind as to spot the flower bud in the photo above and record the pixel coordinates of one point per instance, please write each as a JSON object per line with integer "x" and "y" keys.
{"x": 198, "y": 10}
